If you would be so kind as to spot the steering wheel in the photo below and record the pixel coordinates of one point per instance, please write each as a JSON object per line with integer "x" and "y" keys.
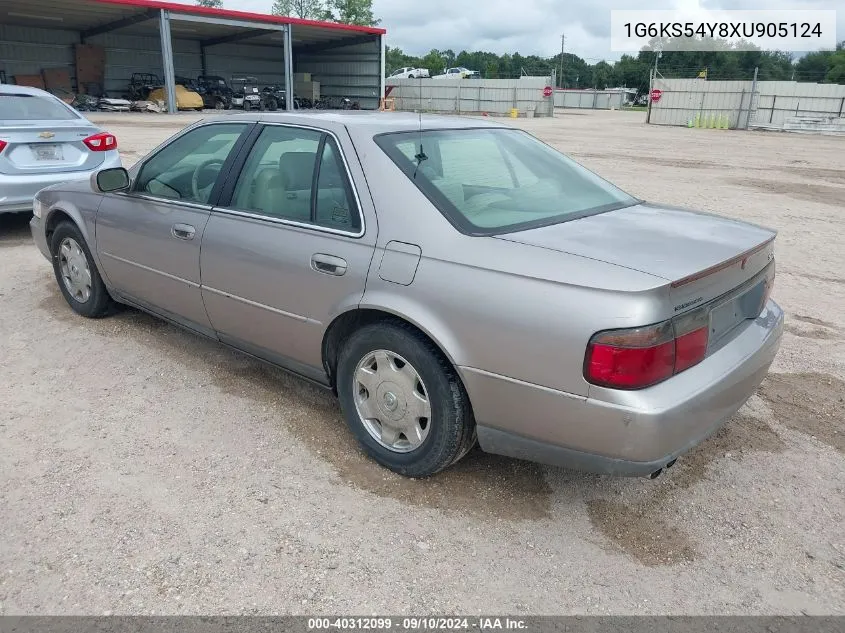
{"x": 195, "y": 178}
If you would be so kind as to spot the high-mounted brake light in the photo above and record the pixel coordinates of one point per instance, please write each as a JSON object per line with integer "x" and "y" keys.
{"x": 642, "y": 357}
{"x": 3, "y": 146}
{"x": 101, "y": 142}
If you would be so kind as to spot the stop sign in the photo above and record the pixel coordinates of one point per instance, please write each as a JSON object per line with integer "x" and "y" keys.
{"x": 656, "y": 94}
{"x": 547, "y": 91}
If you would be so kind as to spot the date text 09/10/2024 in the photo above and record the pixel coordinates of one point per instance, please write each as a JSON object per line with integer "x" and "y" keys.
{"x": 417, "y": 624}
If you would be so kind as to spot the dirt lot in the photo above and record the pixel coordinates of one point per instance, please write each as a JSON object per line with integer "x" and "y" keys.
{"x": 144, "y": 470}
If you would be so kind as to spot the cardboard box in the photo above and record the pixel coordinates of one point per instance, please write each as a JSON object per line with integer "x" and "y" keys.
{"x": 299, "y": 77}
{"x": 57, "y": 78}
{"x": 307, "y": 90}
{"x": 33, "y": 81}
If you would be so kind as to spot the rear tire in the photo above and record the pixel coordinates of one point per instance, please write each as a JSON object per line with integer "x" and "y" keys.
{"x": 403, "y": 400}
{"x": 77, "y": 275}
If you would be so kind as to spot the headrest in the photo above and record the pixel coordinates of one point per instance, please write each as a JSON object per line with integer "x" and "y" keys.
{"x": 297, "y": 170}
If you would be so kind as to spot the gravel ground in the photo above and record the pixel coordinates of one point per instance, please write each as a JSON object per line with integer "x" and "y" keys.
{"x": 144, "y": 470}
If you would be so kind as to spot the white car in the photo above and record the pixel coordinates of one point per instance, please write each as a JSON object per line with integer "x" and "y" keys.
{"x": 409, "y": 72}
{"x": 43, "y": 142}
{"x": 458, "y": 73}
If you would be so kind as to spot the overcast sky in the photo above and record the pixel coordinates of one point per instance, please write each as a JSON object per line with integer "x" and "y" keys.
{"x": 526, "y": 26}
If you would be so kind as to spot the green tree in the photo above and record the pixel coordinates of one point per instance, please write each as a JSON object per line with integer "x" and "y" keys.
{"x": 395, "y": 58}
{"x": 358, "y": 12}
{"x": 435, "y": 61}
{"x": 211, "y": 4}
{"x": 305, "y": 9}
{"x": 602, "y": 75}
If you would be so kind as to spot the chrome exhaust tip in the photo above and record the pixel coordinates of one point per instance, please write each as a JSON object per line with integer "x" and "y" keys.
{"x": 656, "y": 474}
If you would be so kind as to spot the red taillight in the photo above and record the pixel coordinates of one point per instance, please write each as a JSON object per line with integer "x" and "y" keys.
{"x": 630, "y": 367}
{"x": 642, "y": 357}
{"x": 690, "y": 349}
{"x": 101, "y": 142}
{"x": 3, "y": 145}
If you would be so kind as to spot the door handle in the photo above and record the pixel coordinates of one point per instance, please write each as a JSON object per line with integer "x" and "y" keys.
{"x": 183, "y": 231}
{"x": 328, "y": 264}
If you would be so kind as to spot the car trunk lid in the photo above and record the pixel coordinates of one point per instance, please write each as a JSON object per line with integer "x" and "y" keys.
{"x": 35, "y": 147}
{"x": 702, "y": 256}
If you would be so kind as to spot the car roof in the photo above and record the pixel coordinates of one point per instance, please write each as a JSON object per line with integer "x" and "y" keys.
{"x": 22, "y": 90}
{"x": 367, "y": 120}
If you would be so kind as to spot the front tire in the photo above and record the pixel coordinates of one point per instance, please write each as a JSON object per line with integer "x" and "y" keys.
{"x": 403, "y": 400}
{"x": 77, "y": 276}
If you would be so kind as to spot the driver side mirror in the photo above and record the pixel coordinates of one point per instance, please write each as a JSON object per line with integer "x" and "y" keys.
{"x": 113, "y": 179}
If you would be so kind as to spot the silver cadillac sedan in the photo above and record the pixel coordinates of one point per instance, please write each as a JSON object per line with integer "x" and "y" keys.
{"x": 453, "y": 281}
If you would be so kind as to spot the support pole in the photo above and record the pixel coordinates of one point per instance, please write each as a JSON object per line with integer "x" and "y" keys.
{"x": 204, "y": 60}
{"x": 288, "y": 37}
{"x": 167, "y": 60}
{"x": 751, "y": 100}
{"x": 383, "y": 54}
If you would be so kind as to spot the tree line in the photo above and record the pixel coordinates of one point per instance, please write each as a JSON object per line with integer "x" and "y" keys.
{"x": 632, "y": 71}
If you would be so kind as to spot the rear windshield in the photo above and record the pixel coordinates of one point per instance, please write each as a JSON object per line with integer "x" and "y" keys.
{"x": 490, "y": 181}
{"x": 23, "y": 107}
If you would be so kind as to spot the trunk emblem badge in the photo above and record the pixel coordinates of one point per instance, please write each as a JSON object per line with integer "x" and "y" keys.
{"x": 46, "y": 135}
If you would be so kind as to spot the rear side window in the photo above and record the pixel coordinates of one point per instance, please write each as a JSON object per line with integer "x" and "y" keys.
{"x": 24, "y": 107}
{"x": 297, "y": 174}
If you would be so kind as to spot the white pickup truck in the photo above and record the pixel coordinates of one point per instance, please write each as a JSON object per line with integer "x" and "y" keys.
{"x": 409, "y": 73}
{"x": 458, "y": 73}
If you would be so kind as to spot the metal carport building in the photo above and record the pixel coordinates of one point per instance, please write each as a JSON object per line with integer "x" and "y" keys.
{"x": 171, "y": 39}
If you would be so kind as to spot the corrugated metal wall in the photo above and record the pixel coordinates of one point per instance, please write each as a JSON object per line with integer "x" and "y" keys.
{"x": 127, "y": 54}
{"x": 470, "y": 96}
{"x": 348, "y": 71}
{"x": 25, "y": 50}
{"x": 772, "y": 104}
{"x": 589, "y": 99}
{"x": 265, "y": 63}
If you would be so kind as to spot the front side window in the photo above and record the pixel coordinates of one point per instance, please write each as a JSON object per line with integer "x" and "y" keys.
{"x": 297, "y": 174}
{"x": 188, "y": 168}
{"x": 26, "y": 107}
{"x": 490, "y": 181}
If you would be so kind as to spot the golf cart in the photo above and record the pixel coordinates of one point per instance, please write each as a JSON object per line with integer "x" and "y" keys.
{"x": 215, "y": 92}
{"x": 246, "y": 94}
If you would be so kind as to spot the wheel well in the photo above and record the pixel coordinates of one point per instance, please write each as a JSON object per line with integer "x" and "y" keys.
{"x": 56, "y": 217}
{"x": 347, "y": 323}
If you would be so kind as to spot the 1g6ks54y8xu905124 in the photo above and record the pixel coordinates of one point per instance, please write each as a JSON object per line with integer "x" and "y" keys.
{"x": 451, "y": 280}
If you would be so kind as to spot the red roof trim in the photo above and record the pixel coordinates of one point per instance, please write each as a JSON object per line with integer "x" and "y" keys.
{"x": 242, "y": 15}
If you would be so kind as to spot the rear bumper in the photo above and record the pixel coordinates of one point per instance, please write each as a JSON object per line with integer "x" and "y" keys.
{"x": 17, "y": 192}
{"x": 636, "y": 433}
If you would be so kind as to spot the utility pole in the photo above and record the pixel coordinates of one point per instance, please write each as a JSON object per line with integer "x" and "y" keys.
{"x": 562, "y": 45}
